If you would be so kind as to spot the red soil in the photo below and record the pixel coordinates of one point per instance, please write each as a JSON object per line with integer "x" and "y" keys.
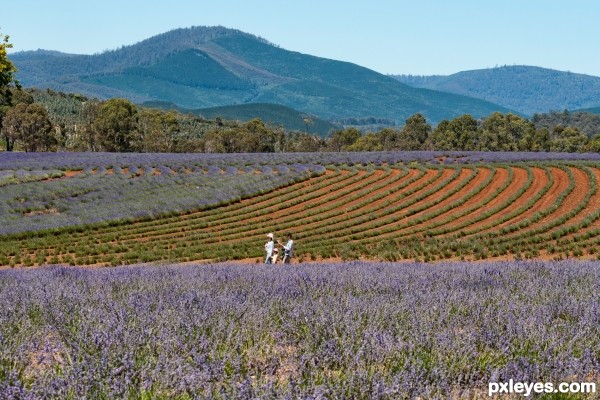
{"x": 540, "y": 180}
{"x": 339, "y": 227}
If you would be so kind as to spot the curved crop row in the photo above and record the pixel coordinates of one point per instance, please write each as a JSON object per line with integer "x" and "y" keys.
{"x": 384, "y": 212}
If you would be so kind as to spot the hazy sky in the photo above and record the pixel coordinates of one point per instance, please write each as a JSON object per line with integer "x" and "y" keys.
{"x": 420, "y": 37}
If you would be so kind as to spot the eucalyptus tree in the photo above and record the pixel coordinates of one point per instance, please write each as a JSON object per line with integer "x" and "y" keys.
{"x": 29, "y": 125}
{"x": 116, "y": 125}
{"x": 460, "y": 133}
{"x": 341, "y": 140}
{"x": 568, "y": 139}
{"x": 158, "y": 130}
{"x": 415, "y": 133}
{"x": 501, "y": 132}
{"x": 7, "y": 79}
{"x": 368, "y": 142}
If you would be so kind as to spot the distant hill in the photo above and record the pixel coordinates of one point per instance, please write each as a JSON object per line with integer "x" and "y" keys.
{"x": 203, "y": 67}
{"x": 585, "y": 122}
{"x": 594, "y": 110}
{"x": 290, "y": 119}
{"x": 525, "y": 89}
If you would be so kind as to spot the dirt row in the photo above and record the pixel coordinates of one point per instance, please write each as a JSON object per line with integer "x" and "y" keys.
{"x": 379, "y": 204}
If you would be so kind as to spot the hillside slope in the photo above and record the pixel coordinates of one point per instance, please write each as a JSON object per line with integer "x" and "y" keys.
{"x": 203, "y": 67}
{"x": 593, "y": 110}
{"x": 526, "y": 89}
{"x": 290, "y": 119}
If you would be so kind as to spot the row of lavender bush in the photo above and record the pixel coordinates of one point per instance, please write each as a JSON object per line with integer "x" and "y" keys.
{"x": 93, "y": 160}
{"x": 200, "y": 180}
{"x": 96, "y": 196}
{"x": 345, "y": 331}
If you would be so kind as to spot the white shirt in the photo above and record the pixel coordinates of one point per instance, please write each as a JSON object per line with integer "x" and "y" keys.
{"x": 269, "y": 247}
{"x": 289, "y": 247}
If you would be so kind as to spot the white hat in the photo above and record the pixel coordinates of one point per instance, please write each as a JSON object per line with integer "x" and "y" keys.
{"x": 270, "y": 235}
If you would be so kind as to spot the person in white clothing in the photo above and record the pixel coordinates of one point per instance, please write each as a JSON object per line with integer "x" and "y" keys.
{"x": 275, "y": 255}
{"x": 288, "y": 249}
{"x": 269, "y": 248}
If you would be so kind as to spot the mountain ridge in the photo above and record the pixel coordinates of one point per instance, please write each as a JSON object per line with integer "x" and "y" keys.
{"x": 527, "y": 89}
{"x": 203, "y": 67}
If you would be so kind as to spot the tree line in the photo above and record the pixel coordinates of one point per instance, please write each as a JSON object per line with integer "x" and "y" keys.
{"x": 586, "y": 122}
{"x": 118, "y": 125}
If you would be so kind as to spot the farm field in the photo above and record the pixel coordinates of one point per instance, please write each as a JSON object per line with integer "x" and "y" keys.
{"x": 353, "y": 330}
{"x": 226, "y": 326}
{"x": 87, "y": 209}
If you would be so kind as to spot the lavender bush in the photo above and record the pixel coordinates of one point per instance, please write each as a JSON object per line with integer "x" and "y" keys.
{"x": 117, "y": 186}
{"x": 9, "y": 160}
{"x": 100, "y": 197}
{"x": 344, "y": 331}
{"x": 11, "y": 176}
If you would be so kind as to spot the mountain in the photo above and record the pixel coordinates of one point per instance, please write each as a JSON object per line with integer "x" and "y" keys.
{"x": 290, "y": 119}
{"x": 593, "y": 110}
{"x": 525, "y": 89}
{"x": 202, "y": 67}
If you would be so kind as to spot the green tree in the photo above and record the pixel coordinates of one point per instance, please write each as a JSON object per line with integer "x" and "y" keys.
{"x": 308, "y": 122}
{"x": 568, "y": 139}
{"x": 443, "y": 136}
{"x": 30, "y": 125}
{"x": 415, "y": 133}
{"x": 302, "y": 142}
{"x": 17, "y": 96}
{"x": 388, "y": 138}
{"x": 158, "y": 130}
{"x": 368, "y": 142}
{"x": 343, "y": 139}
{"x": 535, "y": 140}
{"x": 504, "y": 132}
{"x": 461, "y": 133}
{"x": 88, "y": 138}
{"x": 258, "y": 138}
{"x": 7, "y": 69}
{"x": 117, "y": 126}
{"x": 594, "y": 144}
{"x": 308, "y": 143}
{"x": 7, "y": 79}
{"x": 213, "y": 141}
{"x": 252, "y": 137}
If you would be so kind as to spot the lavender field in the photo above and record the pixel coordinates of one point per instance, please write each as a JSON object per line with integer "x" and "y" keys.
{"x": 38, "y": 195}
{"x": 73, "y": 160}
{"x": 314, "y": 331}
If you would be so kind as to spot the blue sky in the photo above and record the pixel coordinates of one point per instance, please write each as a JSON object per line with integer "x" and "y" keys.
{"x": 421, "y": 37}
